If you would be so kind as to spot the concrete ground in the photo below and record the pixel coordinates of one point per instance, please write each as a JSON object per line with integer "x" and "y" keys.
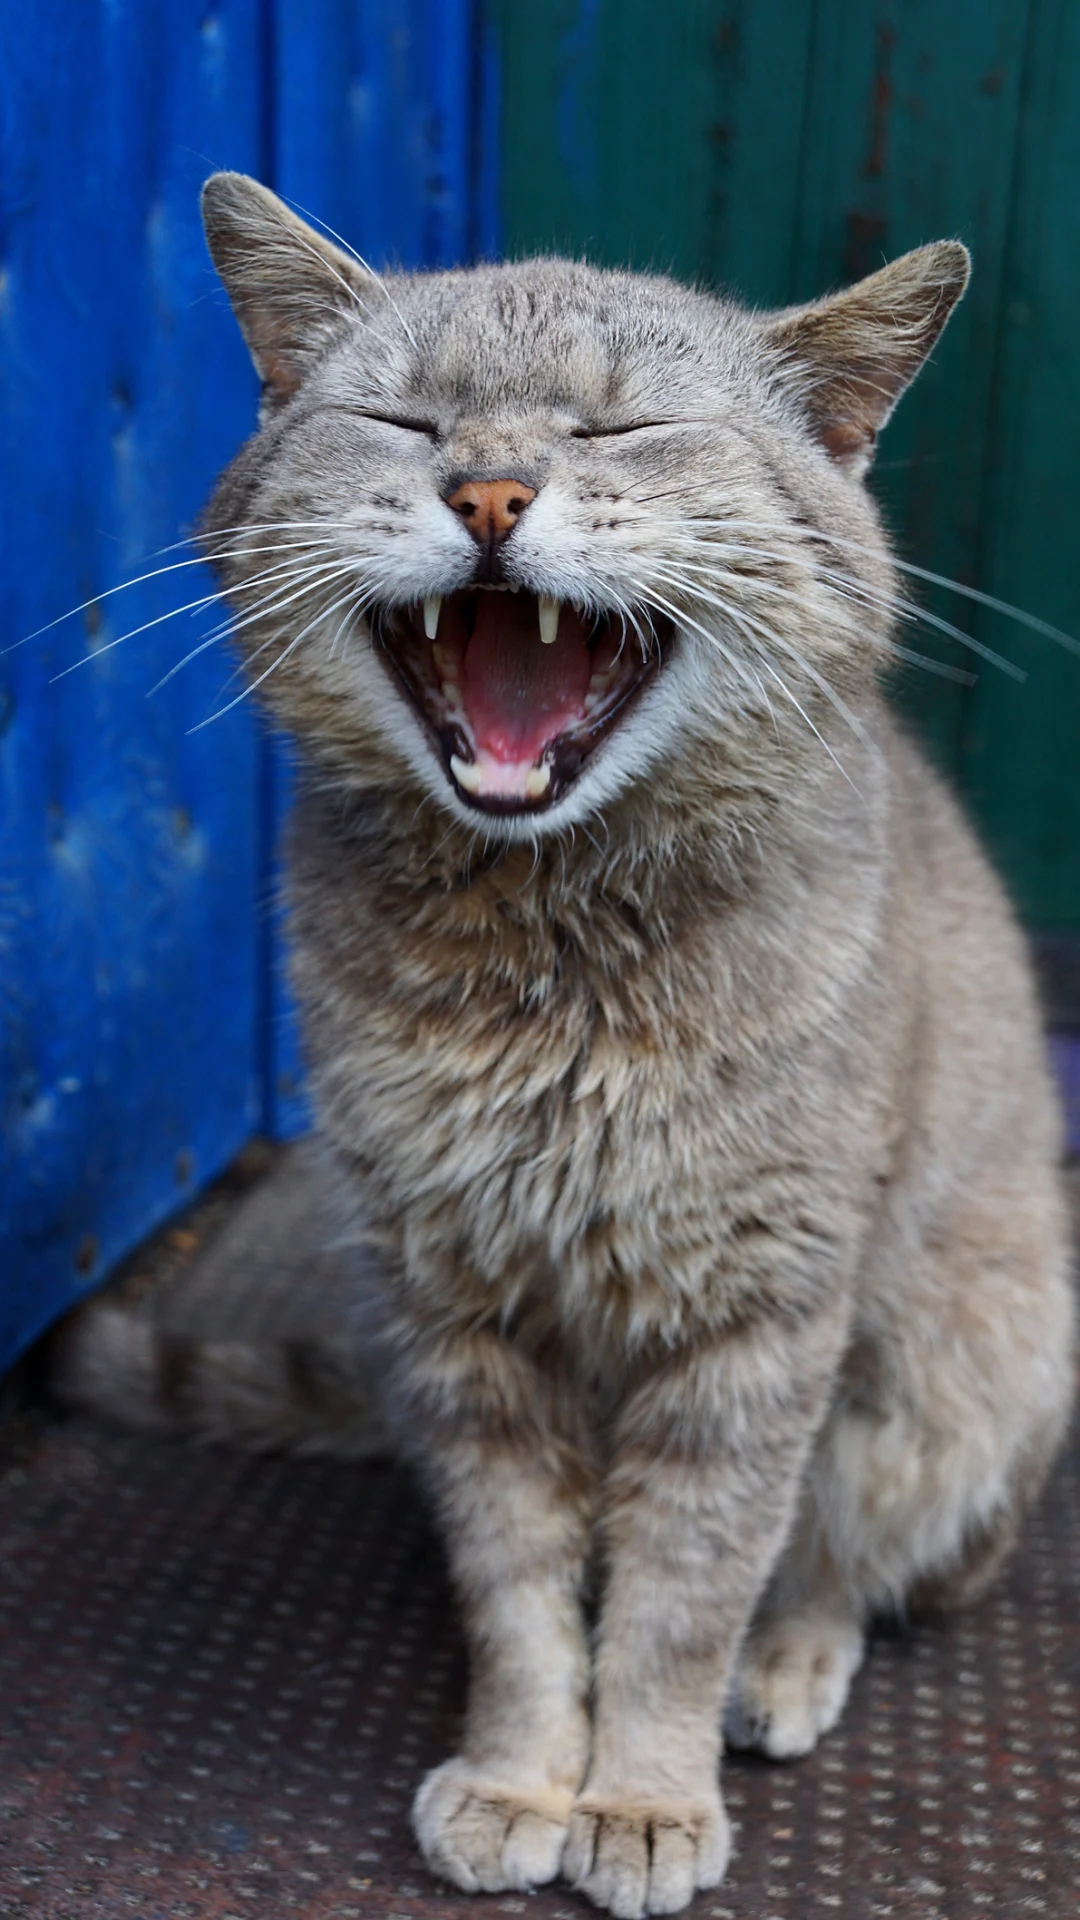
{"x": 222, "y": 1677}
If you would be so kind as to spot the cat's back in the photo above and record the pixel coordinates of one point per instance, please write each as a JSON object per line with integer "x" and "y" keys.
{"x": 978, "y": 1060}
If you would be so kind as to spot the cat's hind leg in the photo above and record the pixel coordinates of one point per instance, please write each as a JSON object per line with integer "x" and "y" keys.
{"x": 798, "y": 1660}
{"x": 948, "y": 1417}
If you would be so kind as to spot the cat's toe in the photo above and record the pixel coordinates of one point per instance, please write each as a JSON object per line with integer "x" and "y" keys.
{"x": 643, "y": 1858}
{"x": 792, "y": 1684}
{"x": 485, "y": 1836}
{"x": 533, "y": 1848}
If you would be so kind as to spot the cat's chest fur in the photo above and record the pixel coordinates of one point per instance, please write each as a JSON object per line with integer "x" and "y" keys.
{"x": 569, "y": 1107}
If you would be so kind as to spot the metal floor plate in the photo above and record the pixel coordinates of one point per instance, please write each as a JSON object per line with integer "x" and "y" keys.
{"x": 222, "y": 1678}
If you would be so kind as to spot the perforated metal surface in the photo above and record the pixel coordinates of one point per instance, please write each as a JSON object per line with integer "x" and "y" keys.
{"x": 221, "y": 1680}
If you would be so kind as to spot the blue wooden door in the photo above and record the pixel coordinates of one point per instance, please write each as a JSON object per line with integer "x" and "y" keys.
{"x": 144, "y": 1035}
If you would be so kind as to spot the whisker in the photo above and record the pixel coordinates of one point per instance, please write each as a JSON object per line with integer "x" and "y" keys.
{"x": 358, "y": 599}
{"x": 744, "y": 673}
{"x": 272, "y": 668}
{"x": 264, "y": 609}
{"x": 891, "y": 603}
{"x": 794, "y": 531}
{"x": 745, "y": 625}
{"x": 844, "y": 587}
{"x": 192, "y": 606}
{"x": 156, "y": 573}
{"x": 800, "y": 710}
{"x": 823, "y": 685}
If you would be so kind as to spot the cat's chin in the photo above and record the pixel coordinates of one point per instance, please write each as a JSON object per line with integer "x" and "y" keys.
{"x": 516, "y": 692}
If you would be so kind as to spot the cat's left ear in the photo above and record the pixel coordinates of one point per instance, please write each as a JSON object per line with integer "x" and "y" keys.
{"x": 290, "y": 288}
{"x": 848, "y": 358}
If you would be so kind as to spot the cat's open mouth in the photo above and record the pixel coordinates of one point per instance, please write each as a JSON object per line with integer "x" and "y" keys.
{"x": 517, "y": 691}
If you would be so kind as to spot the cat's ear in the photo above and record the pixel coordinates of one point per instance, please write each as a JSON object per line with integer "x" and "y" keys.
{"x": 850, "y": 357}
{"x": 289, "y": 287}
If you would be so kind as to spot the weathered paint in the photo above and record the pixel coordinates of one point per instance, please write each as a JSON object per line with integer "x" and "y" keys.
{"x": 127, "y": 864}
{"x": 145, "y": 1034}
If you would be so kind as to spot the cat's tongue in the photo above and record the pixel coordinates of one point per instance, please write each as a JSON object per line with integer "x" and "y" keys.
{"x": 519, "y": 693}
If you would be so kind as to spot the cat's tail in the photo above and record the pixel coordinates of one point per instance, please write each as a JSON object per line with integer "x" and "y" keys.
{"x": 298, "y": 1395}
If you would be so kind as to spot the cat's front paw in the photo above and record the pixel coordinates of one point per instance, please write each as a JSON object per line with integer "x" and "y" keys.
{"x": 486, "y": 1835}
{"x": 636, "y": 1857}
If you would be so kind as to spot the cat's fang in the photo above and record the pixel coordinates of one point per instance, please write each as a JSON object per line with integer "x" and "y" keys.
{"x": 432, "y": 610}
{"x": 549, "y": 619}
{"x": 466, "y": 776}
{"x": 537, "y": 782}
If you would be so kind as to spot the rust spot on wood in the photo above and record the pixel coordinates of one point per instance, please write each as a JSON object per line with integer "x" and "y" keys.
{"x": 882, "y": 98}
{"x": 864, "y": 244}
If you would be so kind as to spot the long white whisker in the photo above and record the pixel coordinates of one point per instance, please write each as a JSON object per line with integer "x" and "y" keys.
{"x": 856, "y": 591}
{"x": 742, "y": 621}
{"x": 192, "y": 606}
{"x": 769, "y": 635}
{"x": 280, "y": 596}
{"x": 891, "y": 603}
{"x": 356, "y": 608}
{"x": 798, "y": 532}
{"x": 740, "y": 668}
{"x": 140, "y": 579}
{"x": 356, "y": 598}
{"x": 801, "y": 710}
{"x": 203, "y": 536}
{"x": 322, "y": 614}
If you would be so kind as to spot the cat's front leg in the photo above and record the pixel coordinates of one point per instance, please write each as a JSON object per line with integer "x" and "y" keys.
{"x": 695, "y": 1511}
{"x": 514, "y": 1500}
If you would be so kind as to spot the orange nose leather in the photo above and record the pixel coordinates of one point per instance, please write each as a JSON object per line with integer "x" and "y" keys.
{"x": 491, "y": 508}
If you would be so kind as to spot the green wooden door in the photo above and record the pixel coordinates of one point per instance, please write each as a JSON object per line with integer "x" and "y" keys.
{"x": 781, "y": 147}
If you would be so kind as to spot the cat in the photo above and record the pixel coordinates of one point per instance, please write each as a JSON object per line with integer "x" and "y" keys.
{"x": 663, "y": 1017}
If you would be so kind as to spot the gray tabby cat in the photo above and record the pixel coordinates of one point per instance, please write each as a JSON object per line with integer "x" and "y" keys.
{"x": 663, "y": 1016}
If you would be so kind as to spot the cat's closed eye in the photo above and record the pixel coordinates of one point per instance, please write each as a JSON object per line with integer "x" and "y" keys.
{"x": 427, "y": 427}
{"x": 609, "y": 433}
{"x": 406, "y": 424}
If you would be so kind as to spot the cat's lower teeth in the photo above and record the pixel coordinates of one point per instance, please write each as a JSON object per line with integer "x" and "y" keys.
{"x": 470, "y": 777}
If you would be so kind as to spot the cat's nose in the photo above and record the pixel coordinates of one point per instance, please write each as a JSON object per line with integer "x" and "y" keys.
{"x": 491, "y": 509}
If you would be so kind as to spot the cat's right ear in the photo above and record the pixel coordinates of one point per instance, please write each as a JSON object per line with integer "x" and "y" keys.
{"x": 849, "y": 357}
{"x": 290, "y": 288}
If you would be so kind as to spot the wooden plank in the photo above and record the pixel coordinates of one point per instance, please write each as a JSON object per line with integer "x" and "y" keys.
{"x": 373, "y": 123}
{"x": 127, "y": 880}
{"x": 667, "y": 144}
{"x": 1021, "y": 747}
{"x": 910, "y": 136}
